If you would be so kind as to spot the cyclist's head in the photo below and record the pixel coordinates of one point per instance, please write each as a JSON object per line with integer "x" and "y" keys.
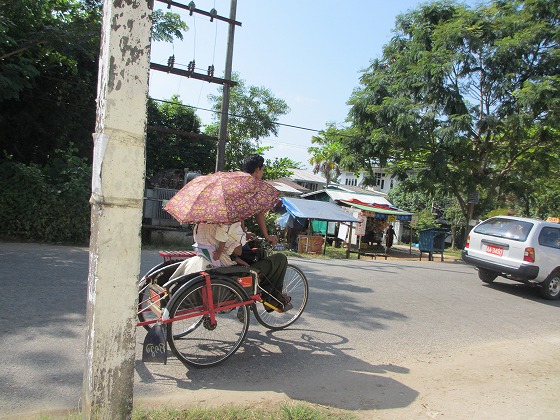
{"x": 253, "y": 162}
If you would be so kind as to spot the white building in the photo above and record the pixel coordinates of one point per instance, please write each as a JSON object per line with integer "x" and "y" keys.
{"x": 384, "y": 181}
{"x": 316, "y": 182}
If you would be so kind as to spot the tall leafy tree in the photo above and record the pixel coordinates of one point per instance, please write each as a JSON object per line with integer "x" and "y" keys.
{"x": 468, "y": 96}
{"x": 48, "y": 74}
{"x": 432, "y": 209}
{"x": 171, "y": 148}
{"x": 253, "y": 114}
{"x": 280, "y": 168}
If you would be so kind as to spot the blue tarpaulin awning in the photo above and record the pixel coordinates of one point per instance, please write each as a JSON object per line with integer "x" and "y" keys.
{"x": 316, "y": 210}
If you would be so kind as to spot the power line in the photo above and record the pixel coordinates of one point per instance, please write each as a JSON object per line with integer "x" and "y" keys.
{"x": 238, "y": 116}
{"x": 275, "y": 143}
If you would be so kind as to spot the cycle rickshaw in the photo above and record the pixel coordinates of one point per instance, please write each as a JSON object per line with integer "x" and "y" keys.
{"x": 206, "y": 313}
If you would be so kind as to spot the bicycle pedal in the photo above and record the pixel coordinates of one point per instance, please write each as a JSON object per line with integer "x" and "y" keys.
{"x": 271, "y": 308}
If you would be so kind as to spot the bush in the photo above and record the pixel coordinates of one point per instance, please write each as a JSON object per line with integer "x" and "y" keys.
{"x": 46, "y": 203}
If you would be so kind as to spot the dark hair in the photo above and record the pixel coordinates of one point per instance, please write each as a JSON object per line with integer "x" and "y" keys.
{"x": 252, "y": 162}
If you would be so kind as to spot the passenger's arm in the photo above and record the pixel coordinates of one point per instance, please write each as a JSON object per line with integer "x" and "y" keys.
{"x": 218, "y": 251}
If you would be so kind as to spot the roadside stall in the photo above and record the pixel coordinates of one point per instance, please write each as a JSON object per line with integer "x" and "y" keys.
{"x": 312, "y": 211}
{"x": 378, "y": 218}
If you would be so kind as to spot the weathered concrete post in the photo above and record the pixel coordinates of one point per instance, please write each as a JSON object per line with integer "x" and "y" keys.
{"x": 116, "y": 213}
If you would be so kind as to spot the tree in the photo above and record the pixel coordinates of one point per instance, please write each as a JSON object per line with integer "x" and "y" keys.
{"x": 541, "y": 200}
{"x": 170, "y": 149}
{"x": 48, "y": 74}
{"x": 328, "y": 156}
{"x": 280, "y": 168}
{"x": 47, "y": 77}
{"x": 408, "y": 195}
{"x": 253, "y": 114}
{"x": 167, "y": 26}
{"x": 467, "y": 96}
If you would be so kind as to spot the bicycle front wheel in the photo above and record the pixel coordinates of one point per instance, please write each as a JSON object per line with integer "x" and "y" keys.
{"x": 295, "y": 285}
{"x": 195, "y": 340}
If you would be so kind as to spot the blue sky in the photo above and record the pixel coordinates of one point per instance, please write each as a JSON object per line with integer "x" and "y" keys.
{"x": 308, "y": 53}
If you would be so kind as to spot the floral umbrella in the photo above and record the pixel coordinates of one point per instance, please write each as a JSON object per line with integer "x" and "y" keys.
{"x": 222, "y": 197}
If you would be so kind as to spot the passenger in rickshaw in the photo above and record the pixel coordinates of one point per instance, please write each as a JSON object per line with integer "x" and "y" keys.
{"x": 220, "y": 244}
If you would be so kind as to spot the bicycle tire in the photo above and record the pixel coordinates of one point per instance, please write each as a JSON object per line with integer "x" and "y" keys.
{"x": 206, "y": 345}
{"x": 297, "y": 287}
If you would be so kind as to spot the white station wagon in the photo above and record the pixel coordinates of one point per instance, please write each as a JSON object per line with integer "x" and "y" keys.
{"x": 517, "y": 248}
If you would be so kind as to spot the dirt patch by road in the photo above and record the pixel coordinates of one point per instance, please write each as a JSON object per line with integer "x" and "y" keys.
{"x": 501, "y": 380}
{"x": 406, "y": 253}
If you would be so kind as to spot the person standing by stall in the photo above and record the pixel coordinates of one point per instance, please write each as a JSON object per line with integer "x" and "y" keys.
{"x": 389, "y": 235}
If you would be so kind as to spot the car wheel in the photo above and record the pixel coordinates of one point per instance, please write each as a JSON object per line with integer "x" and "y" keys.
{"x": 550, "y": 288}
{"x": 486, "y": 276}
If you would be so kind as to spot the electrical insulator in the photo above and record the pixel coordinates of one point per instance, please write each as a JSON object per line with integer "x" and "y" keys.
{"x": 211, "y": 71}
{"x": 171, "y": 61}
{"x": 213, "y": 14}
{"x": 169, "y": 4}
{"x": 190, "y": 66}
{"x": 192, "y": 6}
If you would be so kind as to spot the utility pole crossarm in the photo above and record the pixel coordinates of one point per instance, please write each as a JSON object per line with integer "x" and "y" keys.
{"x": 191, "y": 74}
{"x": 199, "y": 11}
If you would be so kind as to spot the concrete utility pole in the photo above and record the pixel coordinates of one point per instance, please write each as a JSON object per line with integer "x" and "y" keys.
{"x": 221, "y": 155}
{"x": 116, "y": 214}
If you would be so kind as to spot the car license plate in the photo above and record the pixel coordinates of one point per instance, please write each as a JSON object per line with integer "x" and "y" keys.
{"x": 495, "y": 250}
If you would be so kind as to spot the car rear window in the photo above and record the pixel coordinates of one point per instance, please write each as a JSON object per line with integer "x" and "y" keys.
{"x": 516, "y": 230}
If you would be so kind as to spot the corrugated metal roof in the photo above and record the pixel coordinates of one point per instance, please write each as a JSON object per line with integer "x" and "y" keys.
{"x": 361, "y": 190}
{"x": 405, "y": 215}
{"x": 281, "y": 186}
{"x": 306, "y": 176}
{"x": 292, "y": 184}
{"x": 336, "y": 195}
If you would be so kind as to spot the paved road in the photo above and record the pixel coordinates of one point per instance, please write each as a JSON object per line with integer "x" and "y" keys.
{"x": 365, "y": 322}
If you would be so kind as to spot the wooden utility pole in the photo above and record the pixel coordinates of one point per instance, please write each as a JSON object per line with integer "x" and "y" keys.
{"x": 116, "y": 212}
{"x": 220, "y": 158}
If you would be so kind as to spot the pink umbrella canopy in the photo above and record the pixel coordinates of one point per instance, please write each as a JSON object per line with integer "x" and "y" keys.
{"x": 222, "y": 197}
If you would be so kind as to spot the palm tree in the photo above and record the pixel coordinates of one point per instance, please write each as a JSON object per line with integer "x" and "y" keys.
{"x": 326, "y": 158}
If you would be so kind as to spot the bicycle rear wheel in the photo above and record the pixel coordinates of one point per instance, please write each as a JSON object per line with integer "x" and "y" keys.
{"x": 194, "y": 340}
{"x": 295, "y": 285}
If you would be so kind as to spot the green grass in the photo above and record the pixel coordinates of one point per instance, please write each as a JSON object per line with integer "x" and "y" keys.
{"x": 281, "y": 411}
{"x": 284, "y": 411}
{"x": 340, "y": 253}
{"x": 331, "y": 252}
{"x": 453, "y": 253}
